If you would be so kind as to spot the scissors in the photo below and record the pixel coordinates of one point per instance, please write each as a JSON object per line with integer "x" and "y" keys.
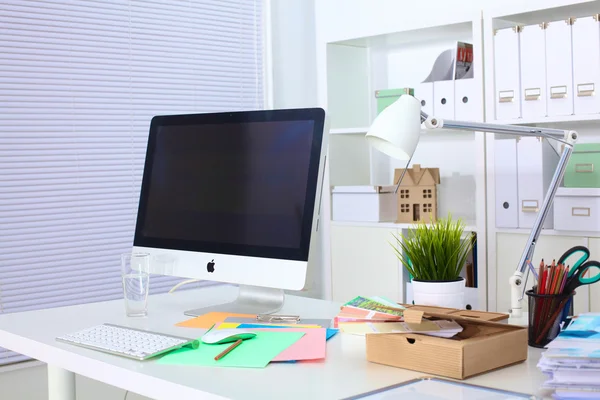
{"x": 576, "y": 275}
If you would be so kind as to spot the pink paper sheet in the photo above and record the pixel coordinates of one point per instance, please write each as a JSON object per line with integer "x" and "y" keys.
{"x": 312, "y": 346}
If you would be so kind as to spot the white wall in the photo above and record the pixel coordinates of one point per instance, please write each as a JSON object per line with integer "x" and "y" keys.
{"x": 295, "y": 86}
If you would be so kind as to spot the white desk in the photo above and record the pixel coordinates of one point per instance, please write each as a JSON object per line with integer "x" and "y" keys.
{"x": 345, "y": 371}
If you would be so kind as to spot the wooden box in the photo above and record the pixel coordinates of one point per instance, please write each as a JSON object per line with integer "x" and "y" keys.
{"x": 482, "y": 346}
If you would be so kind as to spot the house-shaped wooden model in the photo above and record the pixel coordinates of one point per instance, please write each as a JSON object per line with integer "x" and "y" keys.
{"x": 417, "y": 194}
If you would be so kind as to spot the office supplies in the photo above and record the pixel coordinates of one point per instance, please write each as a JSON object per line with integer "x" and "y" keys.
{"x": 209, "y": 319}
{"x": 228, "y": 350}
{"x": 505, "y": 161}
{"x": 324, "y": 323}
{"x": 584, "y": 253}
{"x": 397, "y": 130}
{"x": 545, "y": 312}
{"x": 329, "y": 332}
{"x": 583, "y": 170}
{"x": 219, "y": 336}
{"x": 458, "y": 357}
{"x": 439, "y": 328}
{"x": 360, "y": 304}
{"x": 506, "y": 98}
{"x": 532, "y": 51}
{"x": 536, "y": 160}
{"x": 278, "y": 318}
{"x": 311, "y": 346}
{"x": 577, "y": 278}
{"x": 255, "y": 353}
{"x": 225, "y": 236}
{"x": 238, "y": 325}
{"x": 586, "y": 65}
{"x": 577, "y": 209}
{"x": 559, "y": 68}
{"x": 127, "y": 342}
{"x": 466, "y": 99}
{"x": 439, "y": 389}
{"x": 572, "y": 361}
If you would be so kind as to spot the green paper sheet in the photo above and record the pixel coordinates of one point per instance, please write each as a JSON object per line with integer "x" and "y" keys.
{"x": 252, "y": 353}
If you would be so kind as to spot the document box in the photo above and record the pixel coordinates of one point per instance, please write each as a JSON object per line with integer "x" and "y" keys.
{"x": 583, "y": 170}
{"x": 481, "y": 347}
{"x": 364, "y": 203}
{"x": 388, "y": 96}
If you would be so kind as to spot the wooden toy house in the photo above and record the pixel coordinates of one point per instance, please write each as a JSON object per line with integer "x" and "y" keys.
{"x": 417, "y": 194}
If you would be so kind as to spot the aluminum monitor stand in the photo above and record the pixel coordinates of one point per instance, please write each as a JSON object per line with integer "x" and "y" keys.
{"x": 252, "y": 300}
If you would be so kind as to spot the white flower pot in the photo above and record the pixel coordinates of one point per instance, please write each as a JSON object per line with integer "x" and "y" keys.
{"x": 440, "y": 294}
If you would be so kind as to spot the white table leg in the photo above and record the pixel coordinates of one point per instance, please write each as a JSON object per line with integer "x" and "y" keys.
{"x": 61, "y": 384}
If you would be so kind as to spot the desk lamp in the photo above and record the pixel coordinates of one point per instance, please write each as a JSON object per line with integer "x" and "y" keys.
{"x": 396, "y": 132}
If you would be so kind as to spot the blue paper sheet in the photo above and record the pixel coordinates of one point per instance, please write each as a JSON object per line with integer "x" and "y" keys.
{"x": 329, "y": 333}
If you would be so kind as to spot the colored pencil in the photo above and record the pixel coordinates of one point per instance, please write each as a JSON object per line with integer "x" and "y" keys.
{"x": 564, "y": 282}
{"x": 541, "y": 274}
{"x": 228, "y": 350}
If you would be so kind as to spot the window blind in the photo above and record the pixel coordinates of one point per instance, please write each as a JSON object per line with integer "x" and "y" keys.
{"x": 79, "y": 84}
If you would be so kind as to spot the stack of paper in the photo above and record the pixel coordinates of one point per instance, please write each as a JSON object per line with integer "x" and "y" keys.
{"x": 572, "y": 361}
{"x": 356, "y": 313}
{"x": 273, "y": 343}
{"x": 445, "y": 329}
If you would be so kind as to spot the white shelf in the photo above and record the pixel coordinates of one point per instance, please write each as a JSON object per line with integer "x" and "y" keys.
{"x": 470, "y": 225}
{"x": 574, "y": 192}
{"x": 548, "y": 232}
{"x": 528, "y": 13}
{"x": 349, "y": 131}
{"x": 574, "y": 119}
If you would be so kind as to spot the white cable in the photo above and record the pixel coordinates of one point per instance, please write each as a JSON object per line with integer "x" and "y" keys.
{"x": 183, "y": 283}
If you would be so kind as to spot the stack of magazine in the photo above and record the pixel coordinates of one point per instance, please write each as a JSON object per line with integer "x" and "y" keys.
{"x": 368, "y": 309}
{"x": 363, "y": 315}
{"x": 572, "y": 361}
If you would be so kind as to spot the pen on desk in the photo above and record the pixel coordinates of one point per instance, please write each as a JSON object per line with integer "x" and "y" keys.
{"x": 228, "y": 350}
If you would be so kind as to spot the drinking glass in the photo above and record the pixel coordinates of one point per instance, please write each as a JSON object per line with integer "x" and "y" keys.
{"x": 135, "y": 272}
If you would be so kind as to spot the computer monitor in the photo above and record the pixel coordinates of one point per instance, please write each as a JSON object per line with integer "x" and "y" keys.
{"x": 233, "y": 197}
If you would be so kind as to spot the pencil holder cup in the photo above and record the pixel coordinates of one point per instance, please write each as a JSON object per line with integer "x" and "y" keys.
{"x": 546, "y": 313}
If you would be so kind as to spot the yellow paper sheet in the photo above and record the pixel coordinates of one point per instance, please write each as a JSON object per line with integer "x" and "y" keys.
{"x": 233, "y": 325}
{"x": 207, "y": 320}
{"x": 355, "y": 328}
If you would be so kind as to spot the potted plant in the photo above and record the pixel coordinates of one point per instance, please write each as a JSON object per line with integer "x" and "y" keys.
{"x": 434, "y": 254}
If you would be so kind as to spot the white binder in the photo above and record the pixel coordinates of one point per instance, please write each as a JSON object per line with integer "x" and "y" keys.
{"x": 536, "y": 163}
{"x": 466, "y": 99}
{"x": 559, "y": 68}
{"x": 443, "y": 99}
{"x": 533, "y": 71}
{"x": 424, "y": 92}
{"x": 586, "y": 65}
{"x": 507, "y": 208}
{"x": 506, "y": 70}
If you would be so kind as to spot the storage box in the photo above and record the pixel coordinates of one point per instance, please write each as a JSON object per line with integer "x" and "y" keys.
{"x": 386, "y": 97}
{"x": 479, "y": 315}
{"x": 577, "y": 209}
{"x": 481, "y": 347}
{"x": 583, "y": 170}
{"x": 364, "y": 203}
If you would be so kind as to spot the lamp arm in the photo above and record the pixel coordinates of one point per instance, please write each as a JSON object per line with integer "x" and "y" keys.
{"x": 568, "y": 138}
{"x": 560, "y": 135}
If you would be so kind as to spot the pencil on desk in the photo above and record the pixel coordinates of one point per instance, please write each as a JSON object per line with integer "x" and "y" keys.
{"x": 228, "y": 350}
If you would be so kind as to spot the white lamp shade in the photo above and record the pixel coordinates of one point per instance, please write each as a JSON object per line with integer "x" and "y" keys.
{"x": 396, "y": 129}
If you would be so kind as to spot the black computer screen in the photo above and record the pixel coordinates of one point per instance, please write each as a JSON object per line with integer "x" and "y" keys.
{"x": 232, "y": 183}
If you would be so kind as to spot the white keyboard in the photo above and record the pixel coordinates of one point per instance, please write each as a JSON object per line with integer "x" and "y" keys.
{"x": 126, "y": 342}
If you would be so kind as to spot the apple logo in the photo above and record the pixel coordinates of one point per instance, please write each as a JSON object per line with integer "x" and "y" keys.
{"x": 210, "y": 267}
